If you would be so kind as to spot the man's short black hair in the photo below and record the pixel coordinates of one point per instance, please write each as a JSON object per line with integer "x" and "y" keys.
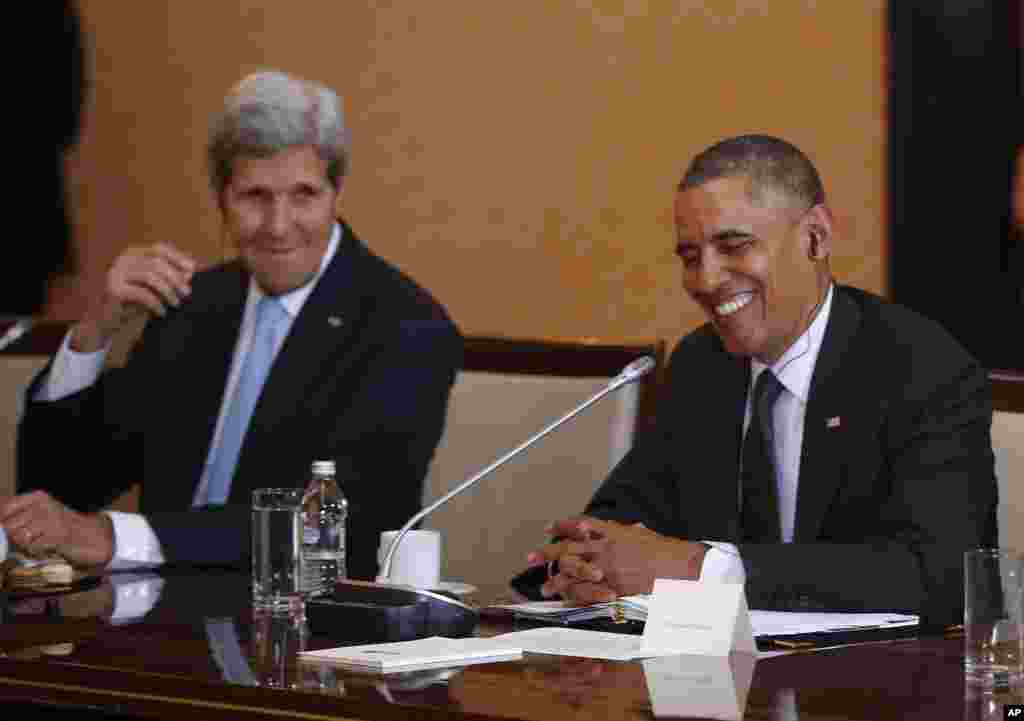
{"x": 767, "y": 161}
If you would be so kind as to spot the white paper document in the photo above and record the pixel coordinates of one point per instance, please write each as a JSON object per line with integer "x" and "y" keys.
{"x": 558, "y": 641}
{"x": 763, "y": 623}
{"x": 422, "y": 653}
{"x": 556, "y": 611}
{"x": 633, "y": 608}
{"x": 786, "y": 623}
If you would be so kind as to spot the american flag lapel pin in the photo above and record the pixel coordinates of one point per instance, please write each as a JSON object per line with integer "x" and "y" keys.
{"x": 833, "y": 422}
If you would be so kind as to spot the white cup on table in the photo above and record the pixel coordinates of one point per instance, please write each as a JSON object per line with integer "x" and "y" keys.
{"x": 417, "y": 562}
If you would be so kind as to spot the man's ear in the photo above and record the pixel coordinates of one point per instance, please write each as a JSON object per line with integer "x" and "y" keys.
{"x": 817, "y": 228}
{"x": 337, "y": 197}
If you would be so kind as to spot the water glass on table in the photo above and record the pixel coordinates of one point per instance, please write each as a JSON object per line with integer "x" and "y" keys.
{"x": 993, "y": 617}
{"x": 276, "y": 548}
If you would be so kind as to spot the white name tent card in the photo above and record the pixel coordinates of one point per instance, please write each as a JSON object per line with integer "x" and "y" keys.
{"x": 700, "y": 618}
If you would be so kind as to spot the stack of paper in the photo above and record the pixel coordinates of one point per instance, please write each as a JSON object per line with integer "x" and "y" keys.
{"x": 764, "y": 623}
{"x": 792, "y": 623}
{"x": 632, "y": 608}
{"x": 422, "y": 653}
{"x": 785, "y": 623}
{"x": 556, "y": 641}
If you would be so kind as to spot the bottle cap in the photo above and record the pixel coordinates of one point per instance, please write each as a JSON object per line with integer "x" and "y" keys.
{"x": 323, "y": 467}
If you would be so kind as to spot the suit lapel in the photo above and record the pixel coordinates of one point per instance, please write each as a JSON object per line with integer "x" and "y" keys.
{"x": 215, "y": 330}
{"x": 828, "y": 402}
{"x": 722, "y": 402}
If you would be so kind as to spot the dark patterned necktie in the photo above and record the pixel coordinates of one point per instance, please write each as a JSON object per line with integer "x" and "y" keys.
{"x": 759, "y": 512}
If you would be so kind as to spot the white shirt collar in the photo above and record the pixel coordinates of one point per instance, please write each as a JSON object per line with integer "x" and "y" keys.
{"x": 293, "y": 301}
{"x": 796, "y": 366}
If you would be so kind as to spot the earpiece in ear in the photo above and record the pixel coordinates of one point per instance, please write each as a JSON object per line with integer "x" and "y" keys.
{"x": 816, "y": 249}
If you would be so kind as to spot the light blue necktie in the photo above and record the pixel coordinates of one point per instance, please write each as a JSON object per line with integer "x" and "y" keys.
{"x": 269, "y": 314}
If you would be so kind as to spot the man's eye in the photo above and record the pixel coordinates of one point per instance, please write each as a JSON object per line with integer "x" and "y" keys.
{"x": 736, "y": 245}
{"x": 689, "y": 257}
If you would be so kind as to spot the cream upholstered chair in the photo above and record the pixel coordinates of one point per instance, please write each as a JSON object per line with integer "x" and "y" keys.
{"x": 1008, "y": 445}
{"x": 19, "y": 363}
{"x": 508, "y": 390}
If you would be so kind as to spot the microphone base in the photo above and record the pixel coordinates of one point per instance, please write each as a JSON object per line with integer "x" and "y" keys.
{"x": 359, "y": 612}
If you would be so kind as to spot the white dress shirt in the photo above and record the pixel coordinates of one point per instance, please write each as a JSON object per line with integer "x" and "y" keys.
{"x": 794, "y": 369}
{"x": 135, "y": 543}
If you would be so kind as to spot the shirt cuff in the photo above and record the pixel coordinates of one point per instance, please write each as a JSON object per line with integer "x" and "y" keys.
{"x": 722, "y": 564}
{"x": 70, "y": 372}
{"x": 135, "y": 543}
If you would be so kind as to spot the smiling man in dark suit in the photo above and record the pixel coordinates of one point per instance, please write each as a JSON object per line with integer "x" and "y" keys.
{"x": 361, "y": 361}
{"x": 827, "y": 448}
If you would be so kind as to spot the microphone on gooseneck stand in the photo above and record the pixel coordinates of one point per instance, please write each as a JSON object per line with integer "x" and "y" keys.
{"x": 632, "y": 372}
{"x": 364, "y": 612}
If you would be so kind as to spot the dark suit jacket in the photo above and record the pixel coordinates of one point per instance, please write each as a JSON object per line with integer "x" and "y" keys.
{"x": 889, "y": 495}
{"x": 363, "y": 377}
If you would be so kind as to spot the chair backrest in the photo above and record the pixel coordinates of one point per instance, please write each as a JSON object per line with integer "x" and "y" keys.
{"x": 1008, "y": 446}
{"x": 19, "y": 363}
{"x": 508, "y": 390}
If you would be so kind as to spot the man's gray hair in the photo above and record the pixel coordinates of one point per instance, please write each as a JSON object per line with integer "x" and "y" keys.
{"x": 268, "y": 112}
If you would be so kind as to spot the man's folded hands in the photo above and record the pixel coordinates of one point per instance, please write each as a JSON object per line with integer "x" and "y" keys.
{"x": 601, "y": 560}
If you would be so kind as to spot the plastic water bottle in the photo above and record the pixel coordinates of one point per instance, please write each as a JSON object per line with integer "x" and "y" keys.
{"x": 324, "y": 512}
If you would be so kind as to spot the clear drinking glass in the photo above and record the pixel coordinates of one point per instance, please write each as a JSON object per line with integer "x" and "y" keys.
{"x": 276, "y": 547}
{"x": 993, "y": 621}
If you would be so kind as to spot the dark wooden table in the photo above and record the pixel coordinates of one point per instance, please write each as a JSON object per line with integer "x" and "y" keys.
{"x": 200, "y": 653}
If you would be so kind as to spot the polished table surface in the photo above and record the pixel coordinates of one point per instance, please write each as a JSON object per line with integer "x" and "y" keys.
{"x": 201, "y": 653}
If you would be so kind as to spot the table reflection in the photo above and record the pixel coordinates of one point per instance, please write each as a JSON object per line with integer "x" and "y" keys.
{"x": 191, "y": 634}
{"x": 275, "y": 640}
{"x": 116, "y": 598}
{"x": 988, "y": 704}
{"x": 784, "y": 705}
{"x": 689, "y": 686}
{"x": 576, "y": 681}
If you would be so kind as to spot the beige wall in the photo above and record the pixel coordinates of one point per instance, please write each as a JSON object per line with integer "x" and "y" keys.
{"x": 517, "y": 158}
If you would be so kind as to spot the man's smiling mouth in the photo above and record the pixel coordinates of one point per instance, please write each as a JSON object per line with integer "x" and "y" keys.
{"x": 278, "y": 250}
{"x": 734, "y": 304}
